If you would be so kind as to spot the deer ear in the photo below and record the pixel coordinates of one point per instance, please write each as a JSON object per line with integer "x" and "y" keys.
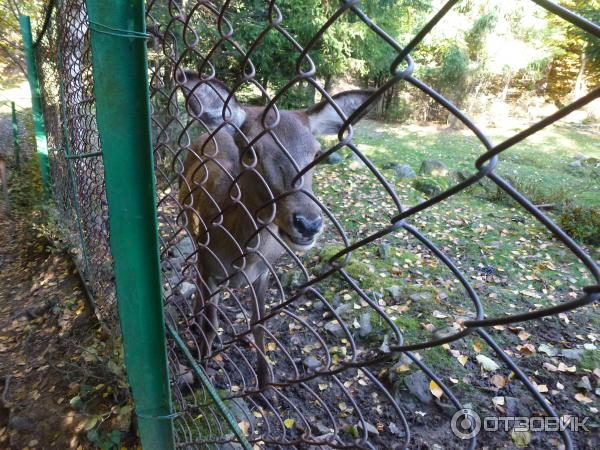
{"x": 205, "y": 100}
{"x": 324, "y": 119}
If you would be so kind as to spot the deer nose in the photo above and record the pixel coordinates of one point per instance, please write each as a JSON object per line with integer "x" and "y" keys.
{"x": 307, "y": 227}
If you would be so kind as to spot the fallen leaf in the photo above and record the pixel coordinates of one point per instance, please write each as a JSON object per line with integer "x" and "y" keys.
{"x": 244, "y": 426}
{"x": 520, "y": 437}
{"x": 583, "y": 398}
{"x": 439, "y": 315}
{"x": 498, "y": 401}
{"x": 289, "y": 423}
{"x": 562, "y": 367}
{"x": 524, "y": 335}
{"x": 462, "y": 359}
{"x": 435, "y": 389}
{"x": 526, "y": 349}
{"x": 498, "y": 380}
{"x": 487, "y": 364}
{"x": 403, "y": 368}
{"x": 547, "y": 349}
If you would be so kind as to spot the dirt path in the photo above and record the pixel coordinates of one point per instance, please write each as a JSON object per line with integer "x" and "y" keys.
{"x": 51, "y": 371}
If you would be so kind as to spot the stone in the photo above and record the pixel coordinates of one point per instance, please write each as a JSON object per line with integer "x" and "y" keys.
{"x": 433, "y": 168}
{"x": 186, "y": 289}
{"x": 575, "y": 164}
{"x": 184, "y": 376}
{"x": 404, "y": 171}
{"x": 384, "y": 250}
{"x": 371, "y": 429}
{"x": 515, "y": 407}
{"x": 231, "y": 446}
{"x": 572, "y": 353}
{"x": 311, "y": 363}
{"x": 172, "y": 314}
{"x": 427, "y": 187}
{"x": 343, "y": 309}
{"x": 337, "y": 300}
{"x": 20, "y": 423}
{"x": 291, "y": 280}
{"x": 444, "y": 332}
{"x": 579, "y": 156}
{"x": 335, "y": 328}
{"x": 585, "y": 384}
{"x": 460, "y": 175}
{"x": 418, "y": 385}
{"x": 395, "y": 292}
{"x": 318, "y": 305}
{"x": 334, "y": 158}
{"x": 185, "y": 247}
{"x": 365, "y": 325}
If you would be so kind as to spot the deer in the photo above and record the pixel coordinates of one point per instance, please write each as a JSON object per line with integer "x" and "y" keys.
{"x": 241, "y": 219}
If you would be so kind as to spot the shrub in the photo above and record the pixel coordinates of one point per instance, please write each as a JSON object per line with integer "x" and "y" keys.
{"x": 582, "y": 223}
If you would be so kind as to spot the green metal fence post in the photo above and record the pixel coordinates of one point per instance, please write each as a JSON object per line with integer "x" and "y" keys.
{"x": 36, "y": 103}
{"x": 15, "y": 130}
{"x": 120, "y": 70}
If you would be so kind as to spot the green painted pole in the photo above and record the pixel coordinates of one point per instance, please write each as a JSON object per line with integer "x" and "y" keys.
{"x": 41, "y": 143}
{"x": 15, "y": 130}
{"x": 120, "y": 70}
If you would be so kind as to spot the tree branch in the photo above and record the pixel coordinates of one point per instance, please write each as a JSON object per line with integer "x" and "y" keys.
{"x": 20, "y": 64}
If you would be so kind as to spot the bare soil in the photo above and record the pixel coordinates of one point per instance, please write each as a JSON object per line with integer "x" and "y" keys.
{"x": 53, "y": 392}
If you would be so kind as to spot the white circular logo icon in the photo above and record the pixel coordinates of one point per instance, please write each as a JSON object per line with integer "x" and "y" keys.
{"x": 465, "y": 423}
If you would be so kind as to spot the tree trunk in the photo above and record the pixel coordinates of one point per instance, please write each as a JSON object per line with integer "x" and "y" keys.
{"x": 580, "y": 85}
{"x": 328, "y": 83}
{"x": 506, "y": 86}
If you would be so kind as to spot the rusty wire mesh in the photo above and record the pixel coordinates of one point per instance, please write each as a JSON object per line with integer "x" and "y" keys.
{"x": 63, "y": 58}
{"x": 326, "y": 385}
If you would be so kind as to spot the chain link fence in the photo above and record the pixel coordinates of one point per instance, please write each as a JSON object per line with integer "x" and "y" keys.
{"x": 63, "y": 57}
{"x": 267, "y": 344}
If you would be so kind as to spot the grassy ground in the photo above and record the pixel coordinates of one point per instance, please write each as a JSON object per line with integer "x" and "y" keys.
{"x": 511, "y": 260}
{"x": 540, "y": 163}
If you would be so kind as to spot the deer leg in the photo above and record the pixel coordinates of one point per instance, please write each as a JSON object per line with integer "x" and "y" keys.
{"x": 258, "y": 311}
{"x": 206, "y": 313}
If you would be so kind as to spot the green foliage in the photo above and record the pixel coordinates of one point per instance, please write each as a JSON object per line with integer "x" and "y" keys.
{"x": 590, "y": 359}
{"x": 475, "y": 37}
{"x": 581, "y": 223}
{"x": 25, "y": 187}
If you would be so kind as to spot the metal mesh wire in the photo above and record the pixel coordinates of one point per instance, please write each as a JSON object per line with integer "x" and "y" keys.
{"x": 296, "y": 373}
{"x": 63, "y": 58}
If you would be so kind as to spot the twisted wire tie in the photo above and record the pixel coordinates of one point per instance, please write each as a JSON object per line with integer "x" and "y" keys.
{"x": 112, "y": 31}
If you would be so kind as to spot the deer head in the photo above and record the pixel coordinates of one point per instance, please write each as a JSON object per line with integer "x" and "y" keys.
{"x": 281, "y": 153}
